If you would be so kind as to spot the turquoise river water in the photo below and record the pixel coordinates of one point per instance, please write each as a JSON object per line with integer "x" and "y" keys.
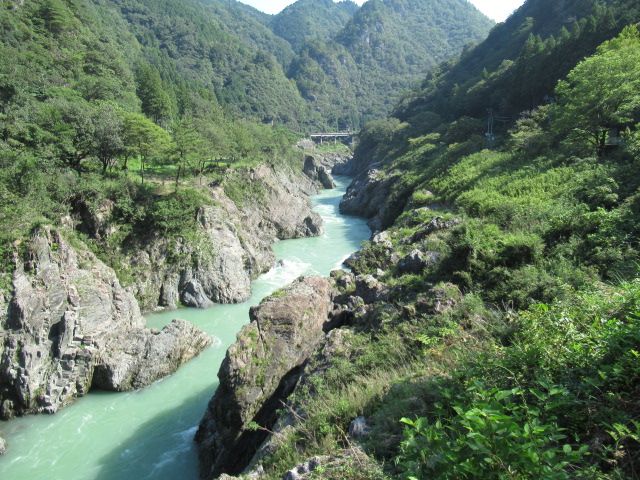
{"x": 148, "y": 434}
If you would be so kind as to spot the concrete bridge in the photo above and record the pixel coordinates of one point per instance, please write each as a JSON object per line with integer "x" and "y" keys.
{"x": 345, "y": 137}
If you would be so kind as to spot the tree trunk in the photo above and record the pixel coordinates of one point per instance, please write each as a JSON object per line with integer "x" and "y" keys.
{"x": 178, "y": 176}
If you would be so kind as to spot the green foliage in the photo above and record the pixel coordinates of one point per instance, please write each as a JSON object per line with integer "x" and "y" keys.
{"x": 602, "y": 93}
{"x": 358, "y": 74}
{"x": 519, "y": 362}
{"x": 307, "y": 20}
{"x": 518, "y": 66}
{"x": 493, "y": 434}
{"x": 175, "y": 214}
{"x": 156, "y": 103}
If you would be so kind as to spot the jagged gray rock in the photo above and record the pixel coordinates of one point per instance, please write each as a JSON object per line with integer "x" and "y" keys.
{"x": 136, "y": 359}
{"x": 318, "y": 172}
{"x": 359, "y": 428}
{"x": 368, "y": 196}
{"x": 383, "y": 239}
{"x": 370, "y": 289}
{"x": 234, "y": 248}
{"x": 67, "y": 310}
{"x": 260, "y": 369}
{"x": 434, "y": 225}
{"x": 301, "y": 471}
{"x": 417, "y": 261}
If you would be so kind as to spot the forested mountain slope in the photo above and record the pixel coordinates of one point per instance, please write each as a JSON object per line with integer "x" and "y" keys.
{"x": 96, "y": 87}
{"x": 307, "y": 20}
{"x": 518, "y": 65}
{"x": 385, "y": 48}
{"x": 96, "y": 111}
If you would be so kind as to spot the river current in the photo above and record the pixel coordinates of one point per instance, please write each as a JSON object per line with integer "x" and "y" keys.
{"x": 148, "y": 434}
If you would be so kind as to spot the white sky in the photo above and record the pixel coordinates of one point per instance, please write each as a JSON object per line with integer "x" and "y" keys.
{"x": 499, "y": 10}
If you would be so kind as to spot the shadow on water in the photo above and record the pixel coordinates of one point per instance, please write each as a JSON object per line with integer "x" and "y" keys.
{"x": 162, "y": 448}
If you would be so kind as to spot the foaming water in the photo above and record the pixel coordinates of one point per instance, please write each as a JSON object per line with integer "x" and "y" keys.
{"x": 148, "y": 434}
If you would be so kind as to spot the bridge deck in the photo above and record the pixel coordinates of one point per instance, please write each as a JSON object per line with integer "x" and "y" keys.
{"x": 334, "y": 134}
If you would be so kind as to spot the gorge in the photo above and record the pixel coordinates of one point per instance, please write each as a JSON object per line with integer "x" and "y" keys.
{"x": 157, "y": 162}
{"x": 149, "y": 433}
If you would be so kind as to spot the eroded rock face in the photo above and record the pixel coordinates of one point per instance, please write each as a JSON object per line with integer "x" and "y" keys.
{"x": 136, "y": 359}
{"x": 370, "y": 289}
{"x": 235, "y": 244}
{"x": 260, "y": 369}
{"x": 316, "y": 171}
{"x": 416, "y": 261}
{"x": 67, "y": 310}
{"x": 368, "y": 196}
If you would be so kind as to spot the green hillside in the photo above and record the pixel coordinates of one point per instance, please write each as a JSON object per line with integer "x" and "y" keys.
{"x": 512, "y": 350}
{"x": 386, "y": 47}
{"x": 95, "y": 107}
{"x": 307, "y": 20}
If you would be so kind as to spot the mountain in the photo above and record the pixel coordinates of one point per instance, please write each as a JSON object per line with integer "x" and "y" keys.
{"x": 521, "y": 60}
{"x": 384, "y": 49}
{"x": 307, "y": 20}
{"x": 223, "y": 49}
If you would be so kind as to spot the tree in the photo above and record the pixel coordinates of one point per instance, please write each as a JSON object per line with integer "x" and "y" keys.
{"x": 156, "y": 103}
{"x": 70, "y": 130}
{"x": 187, "y": 146}
{"x": 216, "y": 142}
{"x": 602, "y": 92}
{"x": 108, "y": 142}
{"x": 56, "y": 16}
{"x": 144, "y": 139}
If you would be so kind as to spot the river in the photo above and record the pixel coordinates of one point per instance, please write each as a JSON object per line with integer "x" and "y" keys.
{"x": 148, "y": 434}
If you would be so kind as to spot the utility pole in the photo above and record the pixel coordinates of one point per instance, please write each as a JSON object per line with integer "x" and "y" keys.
{"x": 490, "y": 121}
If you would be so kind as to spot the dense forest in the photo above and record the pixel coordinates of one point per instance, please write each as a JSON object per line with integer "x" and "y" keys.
{"x": 93, "y": 109}
{"x": 510, "y": 176}
{"x": 358, "y": 74}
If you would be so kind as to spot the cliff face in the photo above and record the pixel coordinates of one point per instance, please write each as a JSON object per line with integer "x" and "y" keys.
{"x": 235, "y": 244}
{"x": 260, "y": 370}
{"x": 69, "y": 325}
{"x": 68, "y": 314}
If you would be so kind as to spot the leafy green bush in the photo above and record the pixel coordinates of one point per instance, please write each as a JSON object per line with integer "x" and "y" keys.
{"x": 490, "y": 434}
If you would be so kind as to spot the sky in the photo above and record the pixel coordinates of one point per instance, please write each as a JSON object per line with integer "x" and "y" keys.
{"x": 499, "y": 10}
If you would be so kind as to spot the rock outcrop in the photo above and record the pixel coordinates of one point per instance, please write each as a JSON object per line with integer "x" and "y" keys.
{"x": 260, "y": 370}
{"x": 317, "y": 172}
{"x": 67, "y": 311}
{"x": 368, "y": 196}
{"x": 416, "y": 261}
{"x": 136, "y": 359}
{"x": 234, "y": 247}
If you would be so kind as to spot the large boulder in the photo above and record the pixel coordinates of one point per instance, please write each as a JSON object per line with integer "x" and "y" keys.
{"x": 370, "y": 289}
{"x": 260, "y": 370}
{"x": 369, "y": 196}
{"x": 136, "y": 359}
{"x": 416, "y": 261}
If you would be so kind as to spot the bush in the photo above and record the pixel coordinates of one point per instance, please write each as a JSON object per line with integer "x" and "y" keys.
{"x": 491, "y": 434}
